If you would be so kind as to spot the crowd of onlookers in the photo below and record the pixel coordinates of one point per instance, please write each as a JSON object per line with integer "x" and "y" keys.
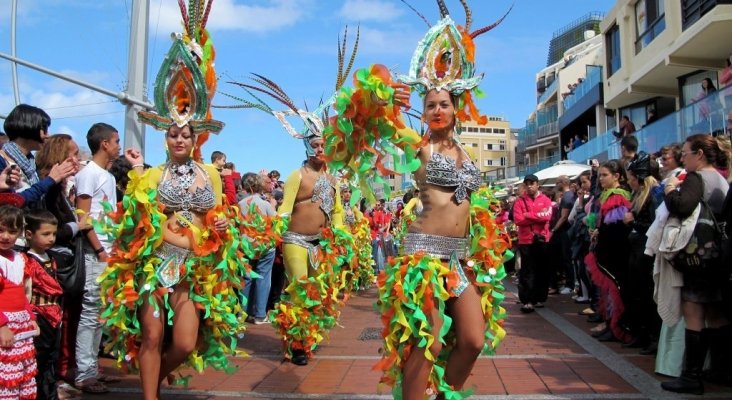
{"x": 642, "y": 243}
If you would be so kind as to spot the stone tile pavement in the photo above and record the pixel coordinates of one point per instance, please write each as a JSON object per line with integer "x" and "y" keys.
{"x": 546, "y": 355}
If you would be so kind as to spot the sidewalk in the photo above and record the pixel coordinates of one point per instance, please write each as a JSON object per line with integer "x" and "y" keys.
{"x": 546, "y": 355}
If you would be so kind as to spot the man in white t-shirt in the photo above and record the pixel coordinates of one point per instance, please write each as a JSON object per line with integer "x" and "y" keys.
{"x": 94, "y": 185}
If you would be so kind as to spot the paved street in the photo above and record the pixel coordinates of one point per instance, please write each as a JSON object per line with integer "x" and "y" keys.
{"x": 547, "y": 355}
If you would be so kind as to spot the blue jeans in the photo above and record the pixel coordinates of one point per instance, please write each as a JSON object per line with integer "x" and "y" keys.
{"x": 377, "y": 252}
{"x": 263, "y": 267}
{"x": 89, "y": 333}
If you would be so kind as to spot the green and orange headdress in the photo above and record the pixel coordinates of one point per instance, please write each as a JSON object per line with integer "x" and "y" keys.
{"x": 445, "y": 59}
{"x": 186, "y": 81}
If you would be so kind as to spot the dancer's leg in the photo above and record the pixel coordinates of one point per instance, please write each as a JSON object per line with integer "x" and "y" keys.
{"x": 417, "y": 368}
{"x": 469, "y": 327}
{"x": 151, "y": 346}
{"x": 185, "y": 331}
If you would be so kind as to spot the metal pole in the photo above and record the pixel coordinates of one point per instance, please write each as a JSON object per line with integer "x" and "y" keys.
{"x": 13, "y": 66}
{"x": 121, "y": 96}
{"x": 137, "y": 74}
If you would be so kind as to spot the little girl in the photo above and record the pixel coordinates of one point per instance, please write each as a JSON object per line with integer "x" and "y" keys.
{"x": 17, "y": 323}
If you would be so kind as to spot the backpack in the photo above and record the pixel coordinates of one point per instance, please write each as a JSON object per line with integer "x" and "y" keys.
{"x": 704, "y": 249}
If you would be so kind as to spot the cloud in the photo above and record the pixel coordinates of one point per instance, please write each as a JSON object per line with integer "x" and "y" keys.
{"x": 367, "y": 10}
{"x": 228, "y": 15}
{"x": 395, "y": 40}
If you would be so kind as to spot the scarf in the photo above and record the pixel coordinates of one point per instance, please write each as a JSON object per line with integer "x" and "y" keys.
{"x": 26, "y": 163}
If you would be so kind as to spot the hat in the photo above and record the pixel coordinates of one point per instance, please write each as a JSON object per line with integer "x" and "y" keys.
{"x": 640, "y": 166}
{"x": 531, "y": 178}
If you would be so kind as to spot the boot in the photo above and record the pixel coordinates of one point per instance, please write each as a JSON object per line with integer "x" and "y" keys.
{"x": 720, "y": 348}
{"x": 690, "y": 379}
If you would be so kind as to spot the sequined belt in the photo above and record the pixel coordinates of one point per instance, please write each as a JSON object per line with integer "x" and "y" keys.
{"x": 309, "y": 242}
{"x": 441, "y": 247}
{"x": 172, "y": 258}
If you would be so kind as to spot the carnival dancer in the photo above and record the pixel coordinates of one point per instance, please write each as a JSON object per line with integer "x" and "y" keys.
{"x": 440, "y": 299}
{"x": 362, "y": 276}
{"x": 169, "y": 291}
{"x": 315, "y": 244}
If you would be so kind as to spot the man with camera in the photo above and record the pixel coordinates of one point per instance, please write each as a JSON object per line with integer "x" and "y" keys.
{"x": 532, "y": 212}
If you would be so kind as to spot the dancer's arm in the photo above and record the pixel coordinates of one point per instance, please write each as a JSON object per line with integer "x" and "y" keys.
{"x": 292, "y": 185}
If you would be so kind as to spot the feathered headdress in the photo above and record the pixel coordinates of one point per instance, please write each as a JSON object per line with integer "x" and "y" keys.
{"x": 186, "y": 81}
{"x": 314, "y": 121}
{"x": 445, "y": 59}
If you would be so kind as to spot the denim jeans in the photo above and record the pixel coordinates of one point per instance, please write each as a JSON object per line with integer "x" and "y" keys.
{"x": 377, "y": 252}
{"x": 89, "y": 333}
{"x": 263, "y": 267}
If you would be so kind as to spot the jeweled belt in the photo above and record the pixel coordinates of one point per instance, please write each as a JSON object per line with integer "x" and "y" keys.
{"x": 172, "y": 257}
{"x": 310, "y": 242}
{"x": 441, "y": 247}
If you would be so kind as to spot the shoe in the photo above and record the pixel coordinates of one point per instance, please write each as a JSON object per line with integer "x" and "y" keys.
{"x": 91, "y": 385}
{"x": 261, "y": 321}
{"x": 599, "y": 328}
{"x": 607, "y": 337}
{"x": 594, "y": 318}
{"x": 527, "y": 308}
{"x": 299, "y": 357}
{"x": 565, "y": 290}
{"x": 651, "y": 350}
{"x": 586, "y": 312}
{"x": 695, "y": 354}
{"x": 538, "y": 304}
{"x": 250, "y": 319}
{"x": 552, "y": 291}
{"x": 582, "y": 300}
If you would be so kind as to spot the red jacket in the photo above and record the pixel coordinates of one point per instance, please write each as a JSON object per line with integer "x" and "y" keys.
{"x": 532, "y": 216}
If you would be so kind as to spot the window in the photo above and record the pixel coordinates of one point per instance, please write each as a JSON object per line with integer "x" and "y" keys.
{"x": 650, "y": 21}
{"x": 503, "y": 161}
{"x": 502, "y": 147}
{"x": 487, "y": 163}
{"x": 502, "y": 141}
{"x": 499, "y": 130}
{"x": 473, "y": 144}
{"x": 391, "y": 176}
{"x": 612, "y": 50}
{"x": 488, "y": 146}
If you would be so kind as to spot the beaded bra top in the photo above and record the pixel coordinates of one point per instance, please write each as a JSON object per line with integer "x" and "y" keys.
{"x": 324, "y": 191}
{"x": 175, "y": 194}
{"x": 442, "y": 171}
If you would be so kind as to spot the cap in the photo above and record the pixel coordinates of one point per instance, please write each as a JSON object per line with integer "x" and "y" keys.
{"x": 531, "y": 178}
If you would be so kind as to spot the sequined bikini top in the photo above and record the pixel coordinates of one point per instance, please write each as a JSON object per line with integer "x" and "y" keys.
{"x": 174, "y": 190}
{"x": 324, "y": 191}
{"x": 442, "y": 171}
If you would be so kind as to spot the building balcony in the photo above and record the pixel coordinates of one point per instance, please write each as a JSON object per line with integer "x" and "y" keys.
{"x": 551, "y": 90}
{"x": 708, "y": 115}
{"x": 593, "y": 78}
{"x": 546, "y": 162}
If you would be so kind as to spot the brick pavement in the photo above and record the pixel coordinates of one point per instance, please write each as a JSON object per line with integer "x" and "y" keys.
{"x": 538, "y": 360}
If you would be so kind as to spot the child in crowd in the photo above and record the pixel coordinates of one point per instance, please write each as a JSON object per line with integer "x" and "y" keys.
{"x": 17, "y": 325}
{"x": 40, "y": 234}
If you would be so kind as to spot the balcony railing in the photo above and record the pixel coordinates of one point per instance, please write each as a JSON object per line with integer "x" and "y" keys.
{"x": 656, "y": 28}
{"x": 704, "y": 116}
{"x": 533, "y": 168}
{"x": 548, "y": 92}
{"x": 593, "y": 78}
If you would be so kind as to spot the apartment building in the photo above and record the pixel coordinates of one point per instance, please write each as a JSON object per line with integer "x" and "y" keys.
{"x": 656, "y": 54}
{"x": 492, "y": 146}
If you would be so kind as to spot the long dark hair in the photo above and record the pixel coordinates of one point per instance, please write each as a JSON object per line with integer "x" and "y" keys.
{"x": 616, "y": 167}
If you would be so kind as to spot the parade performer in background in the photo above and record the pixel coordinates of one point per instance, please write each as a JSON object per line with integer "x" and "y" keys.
{"x": 169, "y": 292}
{"x": 315, "y": 245}
{"x": 362, "y": 276}
{"x": 440, "y": 299}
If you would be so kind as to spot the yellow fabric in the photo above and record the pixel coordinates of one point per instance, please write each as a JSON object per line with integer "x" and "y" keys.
{"x": 338, "y": 214}
{"x": 292, "y": 185}
{"x": 407, "y": 210}
{"x": 296, "y": 261}
{"x": 216, "y": 184}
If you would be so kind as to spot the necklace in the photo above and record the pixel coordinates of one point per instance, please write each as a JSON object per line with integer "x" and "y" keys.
{"x": 181, "y": 179}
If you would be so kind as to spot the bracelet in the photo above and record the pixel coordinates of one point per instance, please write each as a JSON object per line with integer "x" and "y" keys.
{"x": 99, "y": 251}
{"x": 138, "y": 165}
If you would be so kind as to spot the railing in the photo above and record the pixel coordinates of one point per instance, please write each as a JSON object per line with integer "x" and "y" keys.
{"x": 707, "y": 115}
{"x": 592, "y": 78}
{"x": 533, "y": 168}
{"x": 548, "y": 92}
{"x": 658, "y": 26}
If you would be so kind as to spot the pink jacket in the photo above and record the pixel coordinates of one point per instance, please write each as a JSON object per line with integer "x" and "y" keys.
{"x": 532, "y": 215}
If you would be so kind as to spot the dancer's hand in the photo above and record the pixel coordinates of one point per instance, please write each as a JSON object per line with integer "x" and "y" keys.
{"x": 7, "y": 337}
{"x": 402, "y": 94}
{"x": 134, "y": 157}
{"x": 220, "y": 224}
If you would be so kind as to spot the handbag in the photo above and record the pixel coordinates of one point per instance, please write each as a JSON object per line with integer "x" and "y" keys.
{"x": 704, "y": 249}
{"x": 72, "y": 273}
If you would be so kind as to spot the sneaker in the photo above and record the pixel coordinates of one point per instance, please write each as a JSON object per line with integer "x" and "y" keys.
{"x": 538, "y": 304}
{"x": 261, "y": 321}
{"x": 565, "y": 290}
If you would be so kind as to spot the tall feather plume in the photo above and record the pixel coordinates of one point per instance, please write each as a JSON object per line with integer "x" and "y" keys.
{"x": 271, "y": 85}
{"x": 205, "y": 14}
{"x": 343, "y": 74}
{"x": 483, "y": 30}
{"x": 192, "y": 17}
{"x": 262, "y": 90}
{"x": 245, "y": 103}
{"x": 199, "y": 14}
{"x": 444, "y": 12}
{"x": 183, "y": 12}
{"x": 468, "y": 15}
{"x": 418, "y": 13}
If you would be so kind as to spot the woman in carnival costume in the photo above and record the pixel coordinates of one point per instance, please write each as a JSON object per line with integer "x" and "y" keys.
{"x": 169, "y": 293}
{"x": 440, "y": 299}
{"x": 315, "y": 245}
{"x": 362, "y": 277}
